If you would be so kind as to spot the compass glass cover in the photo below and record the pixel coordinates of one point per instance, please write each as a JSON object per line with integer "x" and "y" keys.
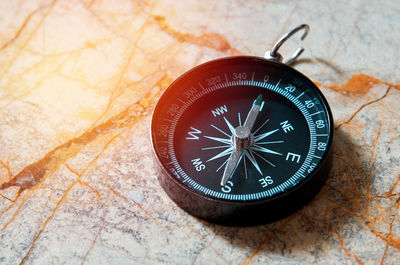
{"x": 195, "y": 119}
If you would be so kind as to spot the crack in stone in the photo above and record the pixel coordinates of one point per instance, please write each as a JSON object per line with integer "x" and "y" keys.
{"x": 210, "y": 40}
{"x": 37, "y": 172}
{"x": 24, "y": 24}
{"x": 34, "y": 174}
{"x": 362, "y": 107}
{"x": 63, "y": 197}
{"x": 346, "y": 251}
{"x": 30, "y": 36}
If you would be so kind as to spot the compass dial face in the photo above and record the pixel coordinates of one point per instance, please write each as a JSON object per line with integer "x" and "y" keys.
{"x": 194, "y": 122}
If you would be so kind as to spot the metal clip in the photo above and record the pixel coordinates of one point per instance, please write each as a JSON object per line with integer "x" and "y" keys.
{"x": 274, "y": 55}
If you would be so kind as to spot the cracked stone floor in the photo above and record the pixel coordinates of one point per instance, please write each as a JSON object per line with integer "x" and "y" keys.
{"x": 79, "y": 80}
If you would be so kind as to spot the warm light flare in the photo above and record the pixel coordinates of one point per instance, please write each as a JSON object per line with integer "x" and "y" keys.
{"x": 78, "y": 82}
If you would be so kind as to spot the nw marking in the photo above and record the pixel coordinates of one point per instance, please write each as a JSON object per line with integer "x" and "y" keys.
{"x": 219, "y": 111}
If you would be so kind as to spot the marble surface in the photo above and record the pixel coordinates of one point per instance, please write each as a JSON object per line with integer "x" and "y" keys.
{"x": 78, "y": 82}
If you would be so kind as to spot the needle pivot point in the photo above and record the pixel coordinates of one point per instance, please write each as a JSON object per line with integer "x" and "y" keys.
{"x": 242, "y": 138}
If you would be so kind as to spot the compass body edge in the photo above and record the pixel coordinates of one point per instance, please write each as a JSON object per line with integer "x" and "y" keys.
{"x": 240, "y": 212}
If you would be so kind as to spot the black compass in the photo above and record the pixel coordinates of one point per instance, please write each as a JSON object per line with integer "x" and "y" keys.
{"x": 242, "y": 140}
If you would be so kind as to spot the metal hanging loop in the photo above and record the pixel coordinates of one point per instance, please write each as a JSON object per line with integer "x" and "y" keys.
{"x": 274, "y": 55}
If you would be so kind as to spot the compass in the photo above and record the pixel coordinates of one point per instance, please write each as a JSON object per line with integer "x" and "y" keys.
{"x": 243, "y": 140}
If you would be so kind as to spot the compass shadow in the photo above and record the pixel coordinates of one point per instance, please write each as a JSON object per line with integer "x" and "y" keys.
{"x": 339, "y": 205}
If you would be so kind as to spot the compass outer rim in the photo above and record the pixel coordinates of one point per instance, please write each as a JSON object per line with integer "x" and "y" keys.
{"x": 209, "y": 208}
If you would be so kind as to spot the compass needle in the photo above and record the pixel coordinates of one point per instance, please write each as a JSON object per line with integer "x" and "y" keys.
{"x": 253, "y": 113}
{"x": 245, "y": 167}
{"x": 233, "y": 162}
{"x": 243, "y": 140}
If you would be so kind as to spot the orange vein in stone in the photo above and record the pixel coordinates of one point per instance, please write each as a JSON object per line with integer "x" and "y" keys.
{"x": 389, "y": 238}
{"x": 63, "y": 197}
{"x": 7, "y": 167}
{"x": 344, "y": 248}
{"x": 93, "y": 242}
{"x": 387, "y": 243}
{"x": 51, "y": 6}
{"x": 35, "y": 86}
{"x": 85, "y": 184}
{"x": 35, "y": 173}
{"x": 26, "y": 196}
{"x": 47, "y": 221}
{"x": 270, "y": 236}
{"x": 5, "y": 197}
{"x": 362, "y": 107}
{"x": 390, "y": 192}
{"x": 258, "y": 248}
{"x": 372, "y": 165}
{"x": 22, "y": 27}
{"x": 91, "y": 3}
{"x": 384, "y": 254}
{"x": 211, "y": 40}
{"x": 7, "y": 208}
{"x": 132, "y": 201}
{"x": 116, "y": 87}
{"x": 358, "y": 84}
